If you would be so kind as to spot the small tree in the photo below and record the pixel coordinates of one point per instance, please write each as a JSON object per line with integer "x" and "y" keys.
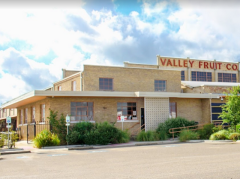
{"x": 231, "y": 110}
{"x": 58, "y": 126}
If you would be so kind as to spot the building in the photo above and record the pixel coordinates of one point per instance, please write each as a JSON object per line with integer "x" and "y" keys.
{"x": 143, "y": 94}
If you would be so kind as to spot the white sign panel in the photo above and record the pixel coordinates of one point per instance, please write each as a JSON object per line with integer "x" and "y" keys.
{"x": 122, "y": 118}
{"x": 8, "y": 120}
{"x": 8, "y": 126}
{"x": 67, "y": 119}
{"x": 134, "y": 113}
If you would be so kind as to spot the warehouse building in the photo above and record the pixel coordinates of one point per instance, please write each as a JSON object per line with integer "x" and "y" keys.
{"x": 145, "y": 95}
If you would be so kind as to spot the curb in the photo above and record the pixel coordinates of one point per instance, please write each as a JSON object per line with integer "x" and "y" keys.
{"x": 15, "y": 152}
{"x": 80, "y": 148}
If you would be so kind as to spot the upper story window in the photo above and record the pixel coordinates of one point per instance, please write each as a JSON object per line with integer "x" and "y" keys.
{"x": 81, "y": 111}
{"x": 26, "y": 115}
{"x": 201, "y": 76}
{"x": 59, "y": 88}
{"x": 128, "y": 110}
{"x": 227, "y": 77}
{"x": 33, "y": 114}
{"x": 73, "y": 85}
{"x": 160, "y": 85}
{"x": 105, "y": 84}
{"x": 42, "y": 119}
{"x": 182, "y": 75}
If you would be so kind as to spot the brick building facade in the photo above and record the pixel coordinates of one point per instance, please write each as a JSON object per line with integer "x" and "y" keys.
{"x": 143, "y": 94}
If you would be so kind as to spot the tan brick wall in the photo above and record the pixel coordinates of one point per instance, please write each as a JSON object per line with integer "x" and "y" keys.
{"x": 130, "y": 79}
{"x": 37, "y": 111}
{"x": 140, "y": 65}
{"x": 69, "y": 73}
{"x": 105, "y": 109}
{"x": 206, "y": 111}
{"x": 191, "y": 109}
{"x": 67, "y": 84}
{"x": 216, "y": 89}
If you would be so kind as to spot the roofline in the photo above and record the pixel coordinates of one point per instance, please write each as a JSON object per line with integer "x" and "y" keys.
{"x": 67, "y": 78}
{"x": 34, "y": 95}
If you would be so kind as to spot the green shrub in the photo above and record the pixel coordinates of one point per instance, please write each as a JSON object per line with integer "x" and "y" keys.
{"x": 58, "y": 126}
{"x": 220, "y": 135}
{"x": 1, "y": 142}
{"x": 174, "y": 123}
{"x": 187, "y": 135}
{"x": 46, "y": 138}
{"x": 234, "y": 136}
{"x": 206, "y": 132}
{"x": 147, "y": 136}
{"x": 217, "y": 128}
{"x": 100, "y": 133}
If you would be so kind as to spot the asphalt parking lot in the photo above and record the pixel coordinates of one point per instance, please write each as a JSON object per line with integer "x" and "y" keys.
{"x": 185, "y": 160}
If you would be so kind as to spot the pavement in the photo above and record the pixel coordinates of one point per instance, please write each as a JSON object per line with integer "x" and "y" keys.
{"x": 24, "y": 147}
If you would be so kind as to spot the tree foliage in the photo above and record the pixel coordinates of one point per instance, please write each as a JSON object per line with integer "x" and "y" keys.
{"x": 231, "y": 110}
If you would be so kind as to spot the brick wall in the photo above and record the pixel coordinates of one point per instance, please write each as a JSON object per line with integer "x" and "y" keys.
{"x": 67, "y": 84}
{"x": 130, "y": 79}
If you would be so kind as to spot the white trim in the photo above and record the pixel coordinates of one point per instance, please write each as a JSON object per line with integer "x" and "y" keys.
{"x": 74, "y": 122}
{"x": 128, "y": 121}
{"x": 25, "y": 124}
{"x": 67, "y": 78}
{"x": 41, "y": 122}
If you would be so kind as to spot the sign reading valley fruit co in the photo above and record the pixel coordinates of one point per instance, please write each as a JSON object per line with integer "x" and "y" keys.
{"x": 171, "y": 62}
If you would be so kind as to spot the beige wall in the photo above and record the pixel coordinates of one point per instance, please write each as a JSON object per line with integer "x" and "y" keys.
{"x": 193, "y": 109}
{"x": 67, "y": 73}
{"x": 207, "y": 89}
{"x": 67, "y": 84}
{"x": 130, "y": 79}
{"x": 37, "y": 106}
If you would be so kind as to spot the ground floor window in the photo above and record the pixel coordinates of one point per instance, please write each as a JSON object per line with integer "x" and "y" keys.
{"x": 21, "y": 116}
{"x": 216, "y": 111}
{"x": 43, "y": 113}
{"x": 173, "y": 110}
{"x": 81, "y": 111}
{"x": 128, "y": 110}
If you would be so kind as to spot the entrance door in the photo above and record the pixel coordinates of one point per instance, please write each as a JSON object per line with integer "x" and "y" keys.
{"x": 142, "y": 118}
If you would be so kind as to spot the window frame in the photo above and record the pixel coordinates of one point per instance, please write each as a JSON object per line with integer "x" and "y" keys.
{"x": 42, "y": 117}
{"x": 104, "y": 84}
{"x": 159, "y": 90}
{"x": 170, "y": 109}
{"x": 25, "y": 115}
{"x": 21, "y": 116}
{"x": 60, "y": 88}
{"x": 134, "y": 117}
{"x": 199, "y": 76}
{"x": 33, "y": 114}
{"x": 92, "y": 117}
{"x": 231, "y": 77}
{"x": 182, "y": 75}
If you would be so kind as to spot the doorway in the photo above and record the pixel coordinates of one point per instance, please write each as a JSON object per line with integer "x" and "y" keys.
{"x": 142, "y": 119}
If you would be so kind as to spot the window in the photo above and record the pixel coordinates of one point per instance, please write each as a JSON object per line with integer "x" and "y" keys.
{"x": 59, "y": 88}
{"x": 42, "y": 119}
{"x": 21, "y": 116}
{"x": 81, "y": 111}
{"x": 182, "y": 75}
{"x": 201, "y": 76}
{"x": 128, "y": 110}
{"x": 33, "y": 114}
{"x": 26, "y": 115}
{"x": 73, "y": 85}
{"x": 105, "y": 84}
{"x": 216, "y": 111}
{"x": 160, "y": 85}
{"x": 173, "y": 110}
{"x": 227, "y": 77}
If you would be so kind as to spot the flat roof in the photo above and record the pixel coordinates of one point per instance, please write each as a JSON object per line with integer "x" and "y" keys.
{"x": 37, "y": 95}
{"x": 193, "y": 84}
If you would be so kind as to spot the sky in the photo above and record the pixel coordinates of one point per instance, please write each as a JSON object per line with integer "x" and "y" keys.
{"x": 40, "y": 38}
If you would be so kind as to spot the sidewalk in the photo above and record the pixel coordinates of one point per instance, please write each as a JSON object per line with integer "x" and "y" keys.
{"x": 24, "y": 147}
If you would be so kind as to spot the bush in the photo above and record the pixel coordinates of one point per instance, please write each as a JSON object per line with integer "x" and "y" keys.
{"x": 234, "y": 136}
{"x": 46, "y": 138}
{"x": 77, "y": 133}
{"x": 147, "y": 136}
{"x": 206, "y": 132}
{"x": 58, "y": 126}
{"x": 174, "y": 123}
{"x": 217, "y": 128}
{"x": 187, "y": 135}
{"x": 100, "y": 133}
{"x": 220, "y": 135}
